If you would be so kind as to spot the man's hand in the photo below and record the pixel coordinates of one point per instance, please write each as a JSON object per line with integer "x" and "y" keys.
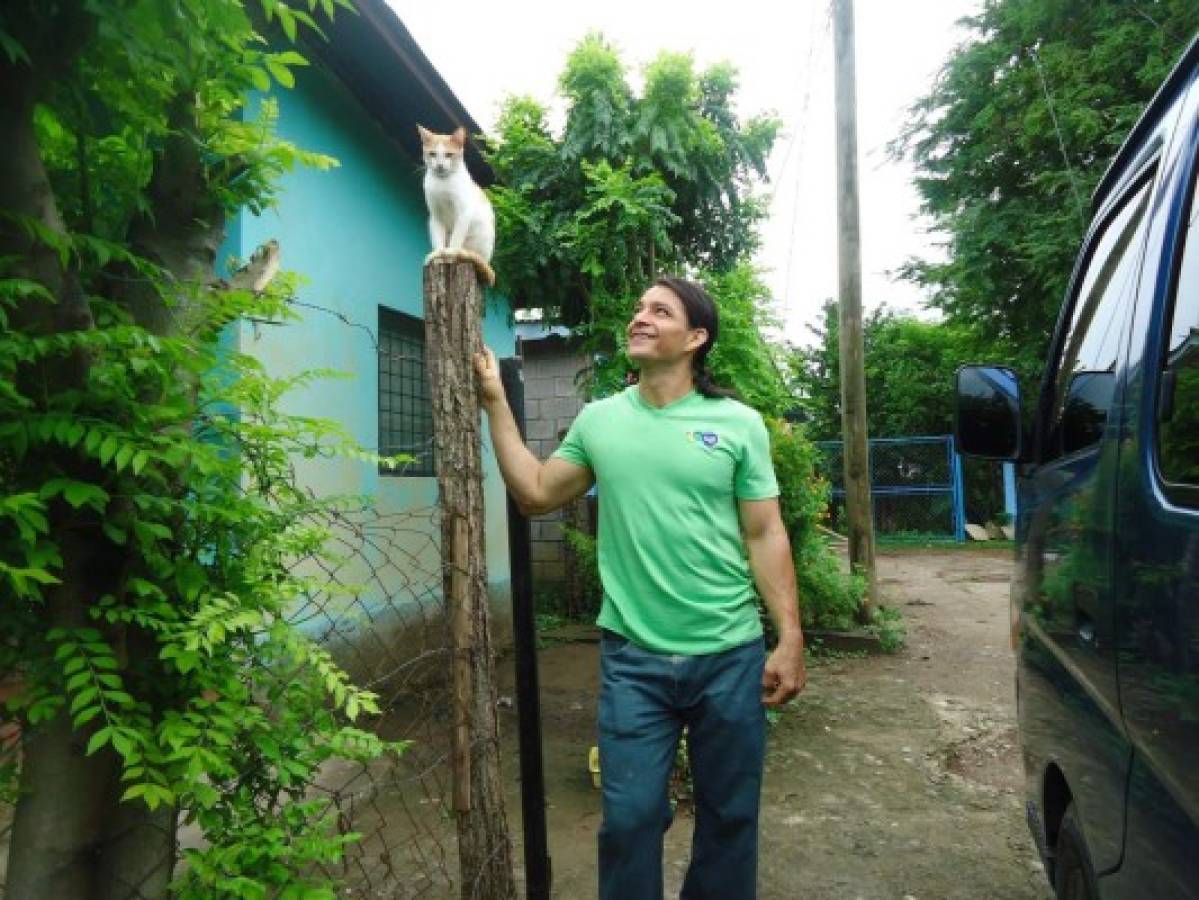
{"x": 785, "y": 674}
{"x": 487, "y": 370}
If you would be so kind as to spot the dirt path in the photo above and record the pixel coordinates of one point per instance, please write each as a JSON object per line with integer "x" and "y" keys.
{"x": 892, "y": 777}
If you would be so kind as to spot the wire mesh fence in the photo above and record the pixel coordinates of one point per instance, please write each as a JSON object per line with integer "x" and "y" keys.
{"x": 382, "y": 617}
{"x": 376, "y": 605}
{"x": 374, "y": 600}
{"x": 915, "y": 484}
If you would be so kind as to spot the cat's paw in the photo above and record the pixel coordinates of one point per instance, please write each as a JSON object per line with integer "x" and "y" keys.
{"x": 443, "y": 254}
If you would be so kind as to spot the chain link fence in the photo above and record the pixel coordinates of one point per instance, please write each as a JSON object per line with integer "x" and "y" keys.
{"x": 382, "y": 617}
{"x": 375, "y": 603}
{"x": 915, "y": 483}
{"x": 380, "y": 614}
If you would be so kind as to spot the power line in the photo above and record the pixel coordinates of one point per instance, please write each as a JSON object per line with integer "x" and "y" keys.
{"x": 817, "y": 42}
{"x": 1061, "y": 141}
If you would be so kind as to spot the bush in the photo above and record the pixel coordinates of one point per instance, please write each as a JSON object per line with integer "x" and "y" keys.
{"x": 828, "y": 597}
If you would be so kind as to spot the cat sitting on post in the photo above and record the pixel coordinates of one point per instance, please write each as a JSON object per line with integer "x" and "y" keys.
{"x": 461, "y": 222}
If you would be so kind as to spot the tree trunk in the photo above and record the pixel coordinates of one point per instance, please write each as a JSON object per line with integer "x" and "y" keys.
{"x": 453, "y": 311}
{"x": 72, "y": 837}
{"x": 59, "y": 818}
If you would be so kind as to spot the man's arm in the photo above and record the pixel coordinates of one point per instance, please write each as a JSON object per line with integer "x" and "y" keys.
{"x": 774, "y": 573}
{"x": 537, "y": 487}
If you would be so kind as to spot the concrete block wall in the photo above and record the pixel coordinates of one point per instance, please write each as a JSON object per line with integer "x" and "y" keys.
{"x": 552, "y": 400}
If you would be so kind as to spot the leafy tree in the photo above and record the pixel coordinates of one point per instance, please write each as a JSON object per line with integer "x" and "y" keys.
{"x": 149, "y": 518}
{"x": 634, "y": 185}
{"x": 910, "y": 368}
{"x": 1013, "y": 138}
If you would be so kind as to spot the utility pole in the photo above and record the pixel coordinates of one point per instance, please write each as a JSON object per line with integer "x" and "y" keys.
{"x": 849, "y": 303}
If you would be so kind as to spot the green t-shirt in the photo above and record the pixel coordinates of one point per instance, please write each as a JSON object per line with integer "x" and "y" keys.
{"x": 671, "y": 556}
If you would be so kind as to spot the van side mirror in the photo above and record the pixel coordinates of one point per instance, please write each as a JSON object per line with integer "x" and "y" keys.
{"x": 987, "y": 419}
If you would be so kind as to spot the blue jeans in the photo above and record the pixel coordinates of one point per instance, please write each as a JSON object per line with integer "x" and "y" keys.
{"x": 645, "y": 700}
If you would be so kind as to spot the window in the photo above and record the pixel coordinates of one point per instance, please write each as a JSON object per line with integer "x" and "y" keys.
{"x": 405, "y": 411}
{"x": 1086, "y": 371}
{"x": 1178, "y": 412}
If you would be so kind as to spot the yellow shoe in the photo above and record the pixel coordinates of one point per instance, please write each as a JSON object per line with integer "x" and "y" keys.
{"x": 593, "y": 766}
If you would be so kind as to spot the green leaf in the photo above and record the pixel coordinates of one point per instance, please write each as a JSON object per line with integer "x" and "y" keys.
{"x": 291, "y": 58}
{"x": 124, "y": 455}
{"x": 78, "y": 493}
{"x": 281, "y": 72}
{"x": 134, "y": 791}
{"x": 84, "y": 716}
{"x": 83, "y": 698}
{"x": 113, "y": 533}
{"x": 121, "y": 742}
{"x": 99, "y": 739}
{"x": 12, "y": 49}
{"x": 78, "y": 680}
{"x": 259, "y": 78}
{"x": 108, "y": 448}
{"x": 287, "y": 20}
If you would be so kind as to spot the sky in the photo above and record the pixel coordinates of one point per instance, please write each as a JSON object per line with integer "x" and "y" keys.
{"x": 487, "y": 51}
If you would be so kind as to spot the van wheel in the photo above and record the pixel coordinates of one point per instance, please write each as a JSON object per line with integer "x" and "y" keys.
{"x": 1074, "y": 879}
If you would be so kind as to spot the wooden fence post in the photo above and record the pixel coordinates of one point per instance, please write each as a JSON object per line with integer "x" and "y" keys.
{"x": 453, "y": 313}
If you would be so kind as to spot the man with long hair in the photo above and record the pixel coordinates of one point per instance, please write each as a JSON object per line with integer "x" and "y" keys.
{"x": 689, "y": 522}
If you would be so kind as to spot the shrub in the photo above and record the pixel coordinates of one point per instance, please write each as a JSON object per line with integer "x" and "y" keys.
{"x": 828, "y": 597}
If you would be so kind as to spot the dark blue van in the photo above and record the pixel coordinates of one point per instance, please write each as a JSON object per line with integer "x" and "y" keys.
{"x": 1105, "y": 602}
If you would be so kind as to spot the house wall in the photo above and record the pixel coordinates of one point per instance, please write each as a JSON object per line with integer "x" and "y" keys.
{"x": 552, "y": 400}
{"x": 357, "y": 233}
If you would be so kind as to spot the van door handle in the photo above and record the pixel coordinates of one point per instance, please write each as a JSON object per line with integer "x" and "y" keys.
{"x": 1085, "y": 600}
{"x": 1086, "y": 630}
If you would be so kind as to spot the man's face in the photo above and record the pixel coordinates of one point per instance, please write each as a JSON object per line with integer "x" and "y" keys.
{"x": 659, "y": 329}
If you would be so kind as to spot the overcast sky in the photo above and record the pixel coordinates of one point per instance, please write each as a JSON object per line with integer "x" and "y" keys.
{"x": 486, "y": 51}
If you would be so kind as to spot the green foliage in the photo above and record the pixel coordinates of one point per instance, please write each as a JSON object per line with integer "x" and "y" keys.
{"x": 997, "y": 176}
{"x": 888, "y": 625}
{"x": 155, "y": 492}
{"x": 586, "y": 557}
{"x": 910, "y": 368}
{"x": 633, "y": 186}
{"x": 827, "y": 597}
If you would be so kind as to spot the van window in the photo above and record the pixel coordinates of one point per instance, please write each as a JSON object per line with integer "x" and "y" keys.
{"x": 1178, "y": 416}
{"x": 1085, "y": 374}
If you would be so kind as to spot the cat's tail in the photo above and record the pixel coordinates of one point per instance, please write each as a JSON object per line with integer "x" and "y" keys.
{"x": 481, "y": 266}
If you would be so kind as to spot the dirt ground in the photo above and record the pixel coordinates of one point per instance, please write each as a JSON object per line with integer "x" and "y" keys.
{"x": 891, "y": 777}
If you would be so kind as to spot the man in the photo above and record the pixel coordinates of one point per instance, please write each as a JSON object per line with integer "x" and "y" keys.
{"x": 687, "y": 491}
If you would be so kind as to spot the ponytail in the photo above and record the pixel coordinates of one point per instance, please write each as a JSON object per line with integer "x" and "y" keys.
{"x": 705, "y": 383}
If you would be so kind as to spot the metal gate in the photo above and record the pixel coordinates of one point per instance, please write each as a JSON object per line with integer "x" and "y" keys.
{"x": 915, "y": 485}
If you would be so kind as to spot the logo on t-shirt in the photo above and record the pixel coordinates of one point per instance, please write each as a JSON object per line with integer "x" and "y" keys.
{"x": 706, "y": 439}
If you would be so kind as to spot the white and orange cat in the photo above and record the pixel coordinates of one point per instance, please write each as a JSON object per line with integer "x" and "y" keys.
{"x": 461, "y": 221}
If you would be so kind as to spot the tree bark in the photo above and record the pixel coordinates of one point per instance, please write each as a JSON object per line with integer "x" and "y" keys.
{"x": 59, "y": 817}
{"x": 453, "y": 311}
{"x": 72, "y": 837}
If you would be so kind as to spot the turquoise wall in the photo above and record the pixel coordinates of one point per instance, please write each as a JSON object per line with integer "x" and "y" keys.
{"x": 357, "y": 233}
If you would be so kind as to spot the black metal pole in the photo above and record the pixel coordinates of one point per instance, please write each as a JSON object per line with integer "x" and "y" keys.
{"x": 528, "y": 690}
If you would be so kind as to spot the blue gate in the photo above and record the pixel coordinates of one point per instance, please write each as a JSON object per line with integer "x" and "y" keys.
{"x": 915, "y": 485}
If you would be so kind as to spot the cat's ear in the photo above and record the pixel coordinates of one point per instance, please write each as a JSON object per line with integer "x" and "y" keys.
{"x": 426, "y": 136}
{"x": 459, "y": 136}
